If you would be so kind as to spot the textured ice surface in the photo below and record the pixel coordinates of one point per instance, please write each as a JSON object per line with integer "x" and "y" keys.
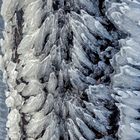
{"x": 126, "y": 64}
{"x": 57, "y": 66}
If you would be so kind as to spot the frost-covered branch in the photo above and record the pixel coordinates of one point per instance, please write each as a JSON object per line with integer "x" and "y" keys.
{"x": 57, "y": 58}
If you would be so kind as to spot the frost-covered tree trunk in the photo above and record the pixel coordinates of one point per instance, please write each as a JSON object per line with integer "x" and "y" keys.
{"x": 57, "y": 60}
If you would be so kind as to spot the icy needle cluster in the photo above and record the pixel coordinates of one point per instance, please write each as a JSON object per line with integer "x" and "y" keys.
{"x": 58, "y": 58}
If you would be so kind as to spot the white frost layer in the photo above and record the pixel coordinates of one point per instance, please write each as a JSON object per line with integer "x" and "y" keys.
{"x": 126, "y": 63}
{"x": 15, "y": 71}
